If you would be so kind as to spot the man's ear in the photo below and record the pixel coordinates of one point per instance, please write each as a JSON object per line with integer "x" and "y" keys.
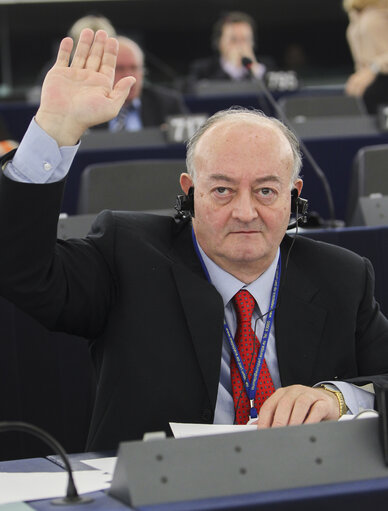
{"x": 298, "y": 184}
{"x": 186, "y": 182}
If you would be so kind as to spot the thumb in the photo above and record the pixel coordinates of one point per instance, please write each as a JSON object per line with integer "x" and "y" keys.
{"x": 121, "y": 89}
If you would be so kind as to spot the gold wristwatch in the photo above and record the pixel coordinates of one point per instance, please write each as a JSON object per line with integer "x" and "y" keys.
{"x": 340, "y": 398}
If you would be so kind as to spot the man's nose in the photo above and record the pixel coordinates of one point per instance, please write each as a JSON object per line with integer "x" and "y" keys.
{"x": 245, "y": 208}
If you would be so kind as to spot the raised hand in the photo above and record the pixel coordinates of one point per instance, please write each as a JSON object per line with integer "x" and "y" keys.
{"x": 81, "y": 95}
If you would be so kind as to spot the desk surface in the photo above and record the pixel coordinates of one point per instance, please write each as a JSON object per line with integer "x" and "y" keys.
{"x": 357, "y": 495}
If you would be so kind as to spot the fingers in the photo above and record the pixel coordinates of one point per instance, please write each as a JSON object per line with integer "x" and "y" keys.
{"x": 297, "y": 404}
{"x": 64, "y": 52}
{"x": 108, "y": 61}
{"x": 96, "y": 52}
{"x": 83, "y": 48}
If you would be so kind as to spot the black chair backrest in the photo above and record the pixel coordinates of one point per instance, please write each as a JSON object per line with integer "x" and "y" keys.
{"x": 136, "y": 185}
{"x": 369, "y": 176}
{"x": 298, "y": 108}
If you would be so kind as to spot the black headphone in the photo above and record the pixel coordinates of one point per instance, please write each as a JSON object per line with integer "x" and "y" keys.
{"x": 298, "y": 209}
{"x": 185, "y": 206}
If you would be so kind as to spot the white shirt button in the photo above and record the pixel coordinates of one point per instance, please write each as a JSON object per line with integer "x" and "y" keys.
{"x": 47, "y": 166}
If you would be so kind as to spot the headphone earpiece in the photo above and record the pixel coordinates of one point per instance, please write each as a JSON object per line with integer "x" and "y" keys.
{"x": 185, "y": 204}
{"x": 298, "y": 209}
{"x": 294, "y": 201}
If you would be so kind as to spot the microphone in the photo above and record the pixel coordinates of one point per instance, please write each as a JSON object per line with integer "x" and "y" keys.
{"x": 248, "y": 63}
{"x": 72, "y": 497}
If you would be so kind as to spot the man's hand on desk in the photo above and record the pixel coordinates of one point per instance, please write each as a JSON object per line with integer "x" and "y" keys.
{"x": 298, "y": 404}
{"x": 80, "y": 96}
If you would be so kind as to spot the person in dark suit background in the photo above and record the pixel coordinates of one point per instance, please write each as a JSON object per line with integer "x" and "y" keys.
{"x": 147, "y": 104}
{"x": 234, "y": 36}
{"x": 151, "y": 292}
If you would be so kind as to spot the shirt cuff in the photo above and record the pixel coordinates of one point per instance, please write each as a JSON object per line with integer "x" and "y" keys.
{"x": 38, "y": 158}
{"x": 356, "y": 398}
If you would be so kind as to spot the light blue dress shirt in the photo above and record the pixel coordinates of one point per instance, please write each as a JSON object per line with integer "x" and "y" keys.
{"x": 38, "y": 159}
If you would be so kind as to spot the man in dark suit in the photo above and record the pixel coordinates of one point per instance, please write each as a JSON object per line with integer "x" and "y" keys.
{"x": 147, "y": 104}
{"x": 159, "y": 298}
{"x": 234, "y": 36}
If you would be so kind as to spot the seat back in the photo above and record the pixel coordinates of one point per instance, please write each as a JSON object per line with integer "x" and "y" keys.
{"x": 299, "y": 108}
{"x": 136, "y": 185}
{"x": 369, "y": 176}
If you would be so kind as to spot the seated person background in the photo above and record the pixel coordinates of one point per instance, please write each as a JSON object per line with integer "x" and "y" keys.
{"x": 147, "y": 104}
{"x": 367, "y": 36}
{"x": 234, "y": 36}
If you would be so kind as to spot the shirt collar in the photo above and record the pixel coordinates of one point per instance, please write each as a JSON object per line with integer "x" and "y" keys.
{"x": 228, "y": 285}
{"x": 236, "y": 72}
{"x": 135, "y": 104}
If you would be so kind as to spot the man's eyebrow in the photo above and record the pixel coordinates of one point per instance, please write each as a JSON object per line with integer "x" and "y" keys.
{"x": 264, "y": 179}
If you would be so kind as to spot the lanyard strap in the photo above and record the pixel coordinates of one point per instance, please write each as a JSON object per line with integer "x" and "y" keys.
{"x": 249, "y": 386}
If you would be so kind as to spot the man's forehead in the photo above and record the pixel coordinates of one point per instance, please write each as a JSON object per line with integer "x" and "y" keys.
{"x": 224, "y": 129}
{"x": 237, "y": 25}
{"x": 249, "y": 141}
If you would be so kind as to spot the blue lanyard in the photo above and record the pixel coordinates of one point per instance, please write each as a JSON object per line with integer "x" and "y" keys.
{"x": 249, "y": 386}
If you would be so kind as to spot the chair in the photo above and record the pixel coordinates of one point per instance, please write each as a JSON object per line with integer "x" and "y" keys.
{"x": 137, "y": 185}
{"x": 298, "y": 108}
{"x": 369, "y": 176}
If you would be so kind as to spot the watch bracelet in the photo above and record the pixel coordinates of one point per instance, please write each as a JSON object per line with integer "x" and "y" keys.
{"x": 343, "y": 409}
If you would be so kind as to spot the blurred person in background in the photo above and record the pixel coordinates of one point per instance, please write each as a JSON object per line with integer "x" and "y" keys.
{"x": 367, "y": 35}
{"x": 234, "y": 36}
{"x": 147, "y": 104}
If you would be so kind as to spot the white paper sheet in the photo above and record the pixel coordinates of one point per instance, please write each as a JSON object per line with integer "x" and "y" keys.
{"x": 106, "y": 465}
{"x": 181, "y": 430}
{"x": 185, "y": 430}
{"x": 22, "y": 486}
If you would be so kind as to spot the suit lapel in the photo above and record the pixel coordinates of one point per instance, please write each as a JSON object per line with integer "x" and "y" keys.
{"x": 203, "y": 308}
{"x": 298, "y": 325}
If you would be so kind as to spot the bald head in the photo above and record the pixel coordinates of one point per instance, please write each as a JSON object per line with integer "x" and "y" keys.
{"x": 242, "y": 116}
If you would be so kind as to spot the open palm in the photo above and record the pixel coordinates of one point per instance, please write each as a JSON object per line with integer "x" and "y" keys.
{"x": 82, "y": 95}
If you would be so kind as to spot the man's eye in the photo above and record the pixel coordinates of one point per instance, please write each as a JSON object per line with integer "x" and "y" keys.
{"x": 221, "y": 190}
{"x": 266, "y": 191}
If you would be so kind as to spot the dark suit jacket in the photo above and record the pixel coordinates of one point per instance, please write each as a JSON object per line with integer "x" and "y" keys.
{"x": 157, "y": 103}
{"x": 210, "y": 69}
{"x": 136, "y": 289}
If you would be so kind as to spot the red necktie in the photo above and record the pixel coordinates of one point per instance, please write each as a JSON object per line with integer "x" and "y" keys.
{"x": 248, "y": 346}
